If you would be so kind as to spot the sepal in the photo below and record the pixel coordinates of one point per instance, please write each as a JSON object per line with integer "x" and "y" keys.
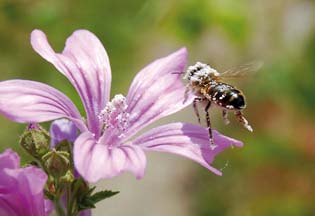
{"x": 35, "y": 140}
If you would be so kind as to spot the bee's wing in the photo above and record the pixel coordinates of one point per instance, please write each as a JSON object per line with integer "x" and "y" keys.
{"x": 242, "y": 70}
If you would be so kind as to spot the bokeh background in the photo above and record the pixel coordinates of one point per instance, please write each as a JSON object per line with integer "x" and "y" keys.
{"x": 274, "y": 174}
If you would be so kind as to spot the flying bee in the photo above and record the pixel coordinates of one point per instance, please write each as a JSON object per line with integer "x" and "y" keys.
{"x": 208, "y": 86}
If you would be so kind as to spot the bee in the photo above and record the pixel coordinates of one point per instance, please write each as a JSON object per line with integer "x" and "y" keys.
{"x": 208, "y": 86}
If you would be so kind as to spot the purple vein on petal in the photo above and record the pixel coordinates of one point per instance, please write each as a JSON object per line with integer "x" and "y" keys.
{"x": 156, "y": 92}
{"x": 30, "y": 101}
{"x": 85, "y": 63}
{"x": 187, "y": 140}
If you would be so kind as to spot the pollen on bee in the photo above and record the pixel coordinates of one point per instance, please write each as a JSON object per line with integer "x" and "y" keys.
{"x": 230, "y": 107}
{"x": 199, "y": 72}
{"x": 223, "y": 96}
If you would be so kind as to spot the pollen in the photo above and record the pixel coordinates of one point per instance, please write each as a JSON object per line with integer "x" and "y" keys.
{"x": 222, "y": 96}
{"x": 230, "y": 107}
{"x": 200, "y": 72}
{"x": 115, "y": 114}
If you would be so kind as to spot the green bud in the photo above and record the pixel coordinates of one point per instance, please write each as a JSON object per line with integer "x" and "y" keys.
{"x": 67, "y": 178}
{"x": 35, "y": 140}
{"x": 57, "y": 163}
{"x": 64, "y": 146}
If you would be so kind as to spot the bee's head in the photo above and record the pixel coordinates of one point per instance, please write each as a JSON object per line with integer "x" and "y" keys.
{"x": 200, "y": 73}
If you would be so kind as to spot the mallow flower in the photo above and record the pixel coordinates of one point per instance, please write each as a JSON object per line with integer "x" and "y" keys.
{"x": 21, "y": 189}
{"x": 62, "y": 130}
{"x": 109, "y": 143}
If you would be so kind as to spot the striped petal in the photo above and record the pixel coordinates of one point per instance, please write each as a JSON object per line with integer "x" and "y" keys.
{"x": 187, "y": 140}
{"x": 95, "y": 161}
{"x": 28, "y": 102}
{"x": 85, "y": 63}
{"x": 156, "y": 91}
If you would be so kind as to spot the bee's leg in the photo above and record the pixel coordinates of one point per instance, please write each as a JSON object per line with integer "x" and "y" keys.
{"x": 243, "y": 120}
{"x": 186, "y": 93}
{"x": 225, "y": 117}
{"x": 196, "y": 100}
{"x": 212, "y": 145}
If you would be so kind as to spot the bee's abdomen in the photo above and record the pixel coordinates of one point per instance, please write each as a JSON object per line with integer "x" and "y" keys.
{"x": 226, "y": 96}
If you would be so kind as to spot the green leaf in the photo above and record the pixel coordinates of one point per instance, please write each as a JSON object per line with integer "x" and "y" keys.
{"x": 86, "y": 204}
{"x": 90, "y": 191}
{"x": 101, "y": 195}
{"x": 89, "y": 201}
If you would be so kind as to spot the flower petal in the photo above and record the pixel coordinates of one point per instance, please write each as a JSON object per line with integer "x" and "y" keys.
{"x": 28, "y": 101}
{"x": 25, "y": 190}
{"x": 21, "y": 189}
{"x": 7, "y": 209}
{"x": 187, "y": 140}
{"x": 49, "y": 206}
{"x": 85, "y": 63}
{"x": 9, "y": 159}
{"x": 62, "y": 129}
{"x": 95, "y": 161}
{"x": 87, "y": 212}
{"x": 156, "y": 91}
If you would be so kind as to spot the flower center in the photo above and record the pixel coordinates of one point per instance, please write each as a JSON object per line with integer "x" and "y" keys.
{"x": 114, "y": 115}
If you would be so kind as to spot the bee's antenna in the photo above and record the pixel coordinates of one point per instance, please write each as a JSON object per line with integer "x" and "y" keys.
{"x": 178, "y": 72}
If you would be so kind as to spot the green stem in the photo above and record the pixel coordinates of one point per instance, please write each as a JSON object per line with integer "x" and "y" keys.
{"x": 68, "y": 197}
{"x": 59, "y": 209}
{"x": 70, "y": 202}
{"x": 72, "y": 208}
{"x": 58, "y": 206}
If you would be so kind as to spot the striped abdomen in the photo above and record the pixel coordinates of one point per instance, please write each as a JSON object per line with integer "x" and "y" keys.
{"x": 226, "y": 96}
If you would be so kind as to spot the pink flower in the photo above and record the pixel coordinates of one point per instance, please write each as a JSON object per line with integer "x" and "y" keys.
{"x": 62, "y": 129}
{"x": 107, "y": 146}
{"x": 21, "y": 189}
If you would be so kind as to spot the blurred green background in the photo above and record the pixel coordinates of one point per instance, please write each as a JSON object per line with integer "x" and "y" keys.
{"x": 274, "y": 174}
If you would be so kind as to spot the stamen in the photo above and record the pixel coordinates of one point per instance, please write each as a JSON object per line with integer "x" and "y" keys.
{"x": 114, "y": 114}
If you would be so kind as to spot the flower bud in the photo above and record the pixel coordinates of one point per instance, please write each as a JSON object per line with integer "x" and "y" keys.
{"x": 57, "y": 163}
{"x": 35, "y": 140}
{"x": 68, "y": 177}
